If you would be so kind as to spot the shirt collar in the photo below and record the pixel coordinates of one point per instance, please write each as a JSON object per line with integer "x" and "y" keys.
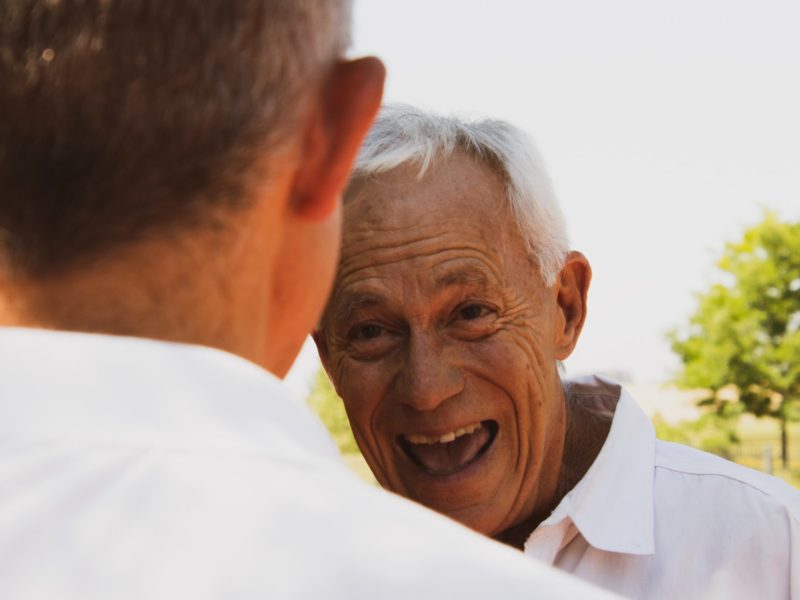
{"x": 100, "y": 389}
{"x": 612, "y": 505}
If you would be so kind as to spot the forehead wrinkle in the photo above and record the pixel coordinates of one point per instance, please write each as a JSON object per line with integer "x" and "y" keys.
{"x": 414, "y": 224}
{"x": 397, "y": 237}
{"x": 354, "y": 261}
{"x": 369, "y": 236}
{"x": 464, "y": 276}
{"x": 479, "y": 270}
{"x": 411, "y": 218}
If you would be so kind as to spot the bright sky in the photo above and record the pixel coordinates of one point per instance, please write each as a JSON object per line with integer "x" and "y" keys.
{"x": 667, "y": 126}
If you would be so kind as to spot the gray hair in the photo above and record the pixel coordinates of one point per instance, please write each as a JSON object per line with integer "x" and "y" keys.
{"x": 124, "y": 119}
{"x": 406, "y": 135}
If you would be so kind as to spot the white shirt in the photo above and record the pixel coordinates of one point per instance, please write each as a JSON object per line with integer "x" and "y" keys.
{"x": 652, "y": 519}
{"x": 132, "y": 468}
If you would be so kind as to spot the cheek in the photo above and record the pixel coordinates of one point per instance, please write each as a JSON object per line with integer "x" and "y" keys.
{"x": 533, "y": 369}
{"x": 364, "y": 387}
{"x": 359, "y": 399}
{"x": 516, "y": 361}
{"x": 540, "y": 412}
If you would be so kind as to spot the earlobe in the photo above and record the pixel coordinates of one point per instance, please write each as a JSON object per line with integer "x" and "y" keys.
{"x": 349, "y": 101}
{"x": 573, "y": 288}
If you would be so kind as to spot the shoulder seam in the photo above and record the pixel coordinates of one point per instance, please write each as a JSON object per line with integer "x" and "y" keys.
{"x": 792, "y": 516}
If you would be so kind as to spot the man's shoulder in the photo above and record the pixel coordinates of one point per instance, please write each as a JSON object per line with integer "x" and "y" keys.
{"x": 684, "y": 466}
{"x": 384, "y": 541}
{"x": 316, "y": 522}
{"x": 202, "y": 524}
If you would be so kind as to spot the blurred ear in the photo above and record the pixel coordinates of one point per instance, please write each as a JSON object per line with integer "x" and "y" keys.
{"x": 350, "y": 100}
{"x": 572, "y": 289}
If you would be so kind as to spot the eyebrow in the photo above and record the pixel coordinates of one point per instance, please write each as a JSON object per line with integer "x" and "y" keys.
{"x": 351, "y": 303}
{"x": 473, "y": 277}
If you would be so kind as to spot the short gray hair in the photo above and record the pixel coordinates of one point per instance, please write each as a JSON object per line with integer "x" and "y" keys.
{"x": 125, "y": 119}
{"x": 403, "y": 134}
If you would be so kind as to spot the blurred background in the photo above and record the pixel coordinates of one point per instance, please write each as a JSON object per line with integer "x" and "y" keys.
{"x": 672, "y": 133}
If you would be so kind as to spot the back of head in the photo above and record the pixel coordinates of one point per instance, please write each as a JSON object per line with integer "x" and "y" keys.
{"x": 125, "y": 120}
{"x": 407, "y": 135}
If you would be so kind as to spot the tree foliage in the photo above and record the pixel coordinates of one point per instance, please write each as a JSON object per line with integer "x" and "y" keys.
{"x": 743, "y": 341}
{"x": 711, "y": 432}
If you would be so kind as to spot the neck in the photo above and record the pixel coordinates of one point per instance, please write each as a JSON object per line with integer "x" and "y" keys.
{"x": 588, "y": 424}
{"x": 586, "y": 430}
{"x": 204, "y": 289}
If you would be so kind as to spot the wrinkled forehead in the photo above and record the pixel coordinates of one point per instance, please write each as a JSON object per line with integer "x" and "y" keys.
{"x": 449, "y": 228}
{"x": 458, "y": 188}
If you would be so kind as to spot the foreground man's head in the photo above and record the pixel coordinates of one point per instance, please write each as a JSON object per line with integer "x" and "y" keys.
{"x": 455, "y": 299}
{"x": 159, "y": 160}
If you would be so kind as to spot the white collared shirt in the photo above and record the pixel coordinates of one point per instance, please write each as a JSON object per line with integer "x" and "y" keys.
{"x": 653, "y": 519}
{"x": 131, "y": 468}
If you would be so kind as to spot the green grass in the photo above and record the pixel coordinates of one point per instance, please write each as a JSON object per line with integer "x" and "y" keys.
{"x": 756, "y": 435}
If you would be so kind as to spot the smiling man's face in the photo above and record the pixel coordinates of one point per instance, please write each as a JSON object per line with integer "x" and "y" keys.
{"x": 442, "y": 339}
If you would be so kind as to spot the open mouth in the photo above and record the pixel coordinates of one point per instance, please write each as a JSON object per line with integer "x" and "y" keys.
{"x": 447, "y": 454}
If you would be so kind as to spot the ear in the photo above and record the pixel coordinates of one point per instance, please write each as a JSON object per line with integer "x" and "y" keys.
{"x": 572, "y": 289}
{"x": 351, "y": 97}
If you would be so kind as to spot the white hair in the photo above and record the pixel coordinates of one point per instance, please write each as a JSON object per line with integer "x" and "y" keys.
{"x": 406, "y": 135}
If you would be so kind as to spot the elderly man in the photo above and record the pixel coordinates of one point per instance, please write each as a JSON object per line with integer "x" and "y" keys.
{"x": 170, "y": 175}
{"x": 455, "y": 299}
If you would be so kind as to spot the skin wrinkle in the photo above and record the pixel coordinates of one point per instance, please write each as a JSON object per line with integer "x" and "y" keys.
{"x": 535, "y": 359}
{"x": 347, "y": 271}
{"x": 350, "y": 303}
{"x": 461, "y": 253}
{"x": 466, "y": 277}
{"x": 430, "y": 330}
{"x": 358, "y": 431}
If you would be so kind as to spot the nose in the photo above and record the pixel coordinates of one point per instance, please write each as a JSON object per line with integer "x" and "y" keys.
{"x": 429, "y": 376}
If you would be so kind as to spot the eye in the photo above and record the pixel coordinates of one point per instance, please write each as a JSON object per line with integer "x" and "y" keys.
{"x": 470, "y": 312}
{"x": 368, "y": 340}
{"x": 366, "y": 331}
{"x": 474, "y": 321}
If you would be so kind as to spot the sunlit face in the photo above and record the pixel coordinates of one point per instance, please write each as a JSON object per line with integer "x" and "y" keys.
{"x": 442, "y": 339}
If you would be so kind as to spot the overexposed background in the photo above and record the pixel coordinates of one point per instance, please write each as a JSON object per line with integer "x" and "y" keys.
{"x": 667, "y": 127}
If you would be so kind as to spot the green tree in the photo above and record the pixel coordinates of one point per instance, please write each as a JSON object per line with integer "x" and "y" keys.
{"x": 743, "y": 341}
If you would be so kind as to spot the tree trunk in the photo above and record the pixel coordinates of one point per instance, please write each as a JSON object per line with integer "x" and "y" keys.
{"x": 784, "y": 443}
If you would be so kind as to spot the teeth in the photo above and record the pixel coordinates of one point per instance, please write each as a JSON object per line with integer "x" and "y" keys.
{"x": 417, "y": 438}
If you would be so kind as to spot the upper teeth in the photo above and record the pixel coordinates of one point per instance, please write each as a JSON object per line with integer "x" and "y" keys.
{"x": 417, "y": 438}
